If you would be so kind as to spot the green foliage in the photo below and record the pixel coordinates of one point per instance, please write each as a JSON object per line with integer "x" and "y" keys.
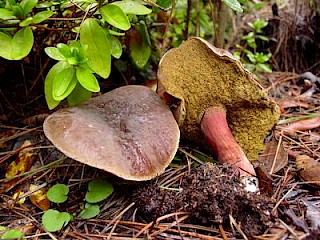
{"x": 98, "y": 190}
{"x": 53, "y": 220}
{"x": 90, "y": 211}
{"x": 256, "y": 62}
{"x": 17, "y": 39}
{"x": 11, "y": 234}
{"x": 234, "y": 5}
{"x": 58, "y": 193}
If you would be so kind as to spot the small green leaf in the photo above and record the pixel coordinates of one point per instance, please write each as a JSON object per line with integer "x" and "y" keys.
{"x": 78, "y": 95}
{"x": 41, "y": 16}
{"x": 28, "y": 5}
{"x": 64, "y": 50}
{"x": 94, "y": 38}
{"x": 132, "y": 7}
{"x": 234, "y": 5}
{"x": 26, "y": 22}
{"x": 114, "y": 15}
{"x": 98, "y": 191}
{"x": 5, "y": 14}
{"x": 12, "y": 234}
{"x": 58, "y": 193}
{"x": 140, "y": 50}
{"x": 115, "y": 46}
{"x": 90, "y": 211}
{"x": 53, "y": 220}
{"x": 54, "y": 53}
{"x": 61, "y": 83}
{"x": 87, "y": 79}
{"x": 48, "y": 83}
{"x": 116, "y": 33}
{"x": 263, "y": 67}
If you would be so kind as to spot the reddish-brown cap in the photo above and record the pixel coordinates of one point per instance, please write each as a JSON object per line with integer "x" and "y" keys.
{"x": 128, "y": 132}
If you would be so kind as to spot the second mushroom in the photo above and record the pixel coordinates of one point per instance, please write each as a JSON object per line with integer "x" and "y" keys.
{"x": 217, "y": 102}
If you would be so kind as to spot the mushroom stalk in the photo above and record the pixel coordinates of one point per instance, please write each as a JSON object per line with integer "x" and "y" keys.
{"x": 215, "y": 127}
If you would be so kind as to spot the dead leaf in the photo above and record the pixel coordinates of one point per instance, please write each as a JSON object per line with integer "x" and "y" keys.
{"x": 308, "y": 169}
{"x": 291, "y": 102}
{"x": 20, "y": 165}
{"x": 302, "y": 125}
{"x": 312, "y": 214}
{"x": 39, "y": 198}
{"x": 274, "y": 158}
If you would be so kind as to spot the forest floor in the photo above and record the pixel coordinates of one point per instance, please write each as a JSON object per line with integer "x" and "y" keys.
{"x": 288, "y": 206}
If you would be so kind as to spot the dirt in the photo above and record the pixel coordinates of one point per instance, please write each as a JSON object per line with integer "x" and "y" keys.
{"x": 212, "y": 194}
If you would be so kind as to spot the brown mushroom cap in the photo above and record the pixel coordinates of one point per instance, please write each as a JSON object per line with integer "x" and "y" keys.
{"x": 129, "y": 132}
{"x": 201, "y": 76}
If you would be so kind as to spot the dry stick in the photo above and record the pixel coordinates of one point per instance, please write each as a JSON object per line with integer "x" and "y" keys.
{"x": 289, "y": 229}
{"x": 283, "y": 197}
{"x": 234, "y": 223}
{"x": 276, "y": 155}
{"x": 223, "y": 233}
{"x": 175, "y": 223}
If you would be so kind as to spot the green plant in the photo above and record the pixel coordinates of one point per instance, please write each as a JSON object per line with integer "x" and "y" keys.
{"x": 54, "y": 220}
{"x": 256, "y": 62}
{"x": 11, "y": 233}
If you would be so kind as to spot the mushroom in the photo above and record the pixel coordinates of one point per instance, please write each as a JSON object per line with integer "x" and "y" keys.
{"x": 128, "y": 132}
{"x": 217, "y": 102}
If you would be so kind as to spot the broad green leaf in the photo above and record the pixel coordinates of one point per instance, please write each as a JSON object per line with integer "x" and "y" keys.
{"x": 61, "y": 83}
{"x": 234, "y": 5}
{"x": 5, "y": 14}
{"x": 53, "y": 220}
{"x": 94, "y": 38}
{"x": 18, "y": 11}
{"x": 41, "y": 16}
{"x": 26, "y": 22}
{"x": 78, "y": 95}
{"x": 87, "y": 79}
{"x": 54, "y": 53}
{"x": 48, "y": 83}
{"x": 115, "y": 46}
{"x": 132, "y": 7}
{"x": 58, "y": 193}
{"x": 98, "y": 191}
{"x": 12, "y": 234}
{"x": 114, "y": 15}
{"x": 166, "y": 4}
{"x": 28, "y": 5}
{"x": 90, "y": 211}
{"x": 140, "y": 50}
{"x": 18, "y": 46}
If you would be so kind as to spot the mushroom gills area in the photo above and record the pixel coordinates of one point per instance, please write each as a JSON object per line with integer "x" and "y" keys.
{"x": 201, "y": 78}
{"x": 129, "y": 132}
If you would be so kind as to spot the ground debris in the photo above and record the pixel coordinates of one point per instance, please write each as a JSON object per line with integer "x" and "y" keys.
{"x": 211, "y": 193}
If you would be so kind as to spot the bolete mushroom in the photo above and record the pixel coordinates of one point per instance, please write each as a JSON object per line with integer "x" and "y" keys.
{"x": 128, "y": 132}
{"x": 218, "y": 102}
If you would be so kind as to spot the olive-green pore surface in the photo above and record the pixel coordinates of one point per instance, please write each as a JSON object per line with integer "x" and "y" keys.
{"x": 202, "y": 76}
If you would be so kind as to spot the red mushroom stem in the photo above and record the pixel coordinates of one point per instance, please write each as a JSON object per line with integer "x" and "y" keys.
{"x": 215, "y": 127}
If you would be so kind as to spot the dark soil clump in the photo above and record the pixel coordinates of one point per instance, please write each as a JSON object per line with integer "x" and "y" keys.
{"x": 211, "y": 194}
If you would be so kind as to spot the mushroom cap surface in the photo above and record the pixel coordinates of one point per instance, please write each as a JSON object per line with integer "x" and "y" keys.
{"x": 128, "y": 132}
{"x": 200, "y": 75}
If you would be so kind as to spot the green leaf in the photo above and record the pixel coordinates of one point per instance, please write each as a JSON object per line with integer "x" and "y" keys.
{"x": 58, "y": 193}
{"x": 90, "y": 211}
{"x": 87, "y": 79}
{"x": 26, "y": 22}
{"x": 78, "y": 95}
{"x": 28, "y": 5}
{"x": 18, "y": 46}
{"x": 53, "y": 220}
{"x": 5, "y": 14}
{"x": 98, "y": 191}
{"x": 61, "y": 83}
{"x": 115, "y": 46}
{"x": 140, "y": 50}
{"x": 263, "y": 38}
{"x": 234, "y": 5}
{"x": 114, "y": 15}
{"x": 132, "y": 7}
{"x": 116, "y": 33}
{"x": 64, "y": 50}
{"x": 41, "y": 16}
{"x": 48, "y": 83}
{"x": 263, "y": 67}
{"x": 166, "y": 4}
{"x": 12, "y": 234}
{"x": 54, "y": 53}
{"x": 94, "y": 38}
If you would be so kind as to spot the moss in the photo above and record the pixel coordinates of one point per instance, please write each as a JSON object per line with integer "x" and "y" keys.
{"x": 201, "y": 78}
